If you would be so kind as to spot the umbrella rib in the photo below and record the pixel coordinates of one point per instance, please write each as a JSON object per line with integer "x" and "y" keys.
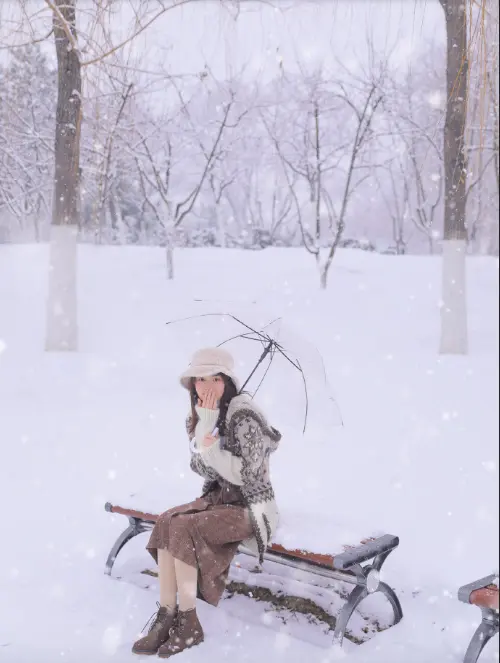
{"x": 243, "y": 323}
{"x": 277, "y": 346}
{"x": 245, "y": 336}
{"x": 271, "y": 357}
{"x": 294, "y": 363}
{"x": 306, "y": 397}
{"x": 262, "y": 337}
{"x": 207, "y": 315}
{"x": 272, "y": 322}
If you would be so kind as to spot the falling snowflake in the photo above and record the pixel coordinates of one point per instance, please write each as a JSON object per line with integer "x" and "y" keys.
{"x": 436, "y": 99}
{"x": 111, "y": 639}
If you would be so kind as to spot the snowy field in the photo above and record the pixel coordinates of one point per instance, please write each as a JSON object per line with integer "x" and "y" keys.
{"x": 416, "y": 456}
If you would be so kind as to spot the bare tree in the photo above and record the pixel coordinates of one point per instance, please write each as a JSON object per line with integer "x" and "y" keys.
{"x": 27, "y": 114}
{"x": 454, "y": 307}
{"x": 423, "y": 151}
{"x": 394, "y": 189}
{"x": 106, "y": 179}
{"x": 259, "y": 203}
{"x": 253, "y": 194}
{"x": 62, "y": 303}
{"x": 164, "y": 186}
{"x": 224, "y": 158}
{"x": 483, "y": 182}
{"x": 95, "y": 47}
{"x": 493, "y": 239}
{"x": 316, "y": 158}
{"x": 270, "y": 207}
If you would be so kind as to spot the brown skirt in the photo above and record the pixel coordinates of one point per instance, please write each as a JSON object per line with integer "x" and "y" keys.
{"x": 205, "y": 534}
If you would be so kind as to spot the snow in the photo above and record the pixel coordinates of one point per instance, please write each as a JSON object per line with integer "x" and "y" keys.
{"x": 416, "y": 456}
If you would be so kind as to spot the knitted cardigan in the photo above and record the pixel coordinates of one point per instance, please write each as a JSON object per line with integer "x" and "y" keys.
{"x": 242, "y": 458}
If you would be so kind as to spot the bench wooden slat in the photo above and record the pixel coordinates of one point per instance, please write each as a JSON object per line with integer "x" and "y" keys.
{"x": 132, "y": 513}
{"x": 315, "y": 558}
{"x": 482, "y": 592}
{"x": 487, "y": 597}
{"x": 320, "y": 559}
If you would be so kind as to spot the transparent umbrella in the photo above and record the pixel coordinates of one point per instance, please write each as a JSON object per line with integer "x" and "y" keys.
{"x": 286, "y": 369}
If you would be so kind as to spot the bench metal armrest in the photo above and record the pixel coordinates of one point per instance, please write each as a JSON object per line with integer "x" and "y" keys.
{"x": 365, "y": 551}
{"x": 464, "y": 593}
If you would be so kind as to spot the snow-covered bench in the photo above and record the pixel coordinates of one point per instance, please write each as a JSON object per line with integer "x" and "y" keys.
{"x": 484, "y": 594}
{"x": 299, "y": 543}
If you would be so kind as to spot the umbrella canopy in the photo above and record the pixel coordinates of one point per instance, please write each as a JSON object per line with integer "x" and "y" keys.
{"x": 286, "y": 370}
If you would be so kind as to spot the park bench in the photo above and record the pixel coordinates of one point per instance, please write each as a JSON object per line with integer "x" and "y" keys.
{"x": 484, "y": 594}
{"x": 358, "y": 563}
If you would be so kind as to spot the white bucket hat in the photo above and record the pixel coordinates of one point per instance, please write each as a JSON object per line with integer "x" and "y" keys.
{"x": 209, "y": 361}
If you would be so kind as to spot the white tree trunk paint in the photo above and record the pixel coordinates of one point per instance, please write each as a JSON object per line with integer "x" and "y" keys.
{"x": 170, "y": 261}
{"x": 454, "y": 338}
{"x": 62, "y": 324}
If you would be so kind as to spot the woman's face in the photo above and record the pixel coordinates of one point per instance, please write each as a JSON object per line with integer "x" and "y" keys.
{"x": 213, "y": 383}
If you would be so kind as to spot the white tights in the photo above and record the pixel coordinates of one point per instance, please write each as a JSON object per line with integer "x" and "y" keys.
{"x": 176, "y": 577}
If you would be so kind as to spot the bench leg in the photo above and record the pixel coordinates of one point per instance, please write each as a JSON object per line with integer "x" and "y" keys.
{"x": 368, "y": 583}
{"x": 358, "y": 594}
{"x": 390, "y": 595}
{"x": 355, "y": 598}
{"x": 484, "y": 632}
{"x": 383, "y": 587}
{"x": 132, "y": 530}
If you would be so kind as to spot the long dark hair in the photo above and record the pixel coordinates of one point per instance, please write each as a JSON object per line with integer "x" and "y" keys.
{"x": 229, "y": 393}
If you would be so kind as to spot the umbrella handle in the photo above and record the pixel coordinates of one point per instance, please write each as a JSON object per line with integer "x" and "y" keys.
{"x": 266, "y": 351}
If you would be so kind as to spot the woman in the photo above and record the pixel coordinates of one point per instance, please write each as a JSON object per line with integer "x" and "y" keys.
{"x": 194, "y": 544}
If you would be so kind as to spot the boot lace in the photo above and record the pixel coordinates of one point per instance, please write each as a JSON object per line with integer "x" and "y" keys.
{"x": 153, "y": 620}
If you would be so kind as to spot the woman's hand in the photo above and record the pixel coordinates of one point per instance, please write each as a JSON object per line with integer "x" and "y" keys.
{"x": 208, "y": 440}
{"x": 210, "y": 400}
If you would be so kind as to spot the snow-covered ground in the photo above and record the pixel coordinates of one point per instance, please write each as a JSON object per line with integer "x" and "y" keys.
{"x": 417, "y": 454}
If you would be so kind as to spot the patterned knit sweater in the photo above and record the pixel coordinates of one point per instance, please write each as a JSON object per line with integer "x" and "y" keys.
{"x": 242, "y": 458}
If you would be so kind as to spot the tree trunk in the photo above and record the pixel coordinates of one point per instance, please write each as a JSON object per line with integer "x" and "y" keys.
{"x": 454, "y": 308}
{"x": 169, "y": 250}
{"x": 430, "y": 240}
{"x": 62, "y": 303}
{"x": 493, "y": 238}
{"x": 323, "y": 272}
{"x": 170, "y": 260}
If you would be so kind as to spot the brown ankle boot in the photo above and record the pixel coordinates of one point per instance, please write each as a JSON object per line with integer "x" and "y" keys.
{"x": 157, "y": 634}
{"x": 186, "y": 632}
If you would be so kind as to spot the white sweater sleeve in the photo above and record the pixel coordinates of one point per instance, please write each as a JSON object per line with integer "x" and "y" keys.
{"x": 206, "y": 423}
{"x": 223, "y": 462}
